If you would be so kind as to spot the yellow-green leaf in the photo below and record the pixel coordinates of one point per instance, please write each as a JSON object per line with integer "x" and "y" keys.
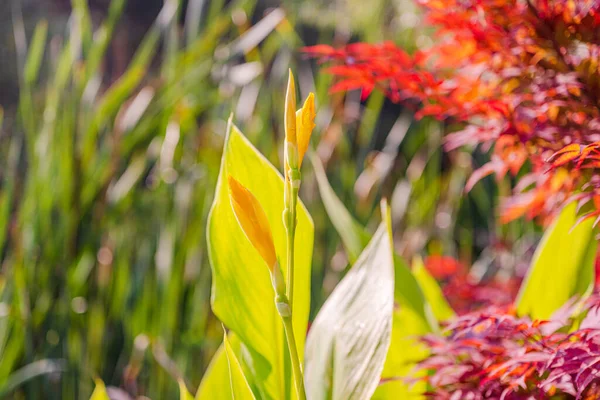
{"x": 242, "y": 294}
{"x": 223, "y": 374}
{"x": 184, "y": 394}
{"x": 411, "y": 320}
{"x": 433, "y": 293}
{"x": 240, "y": 389}
{"x": 99, "y": 392}
{"x": 562, "y": 266}
{"x": 215, "y": 381}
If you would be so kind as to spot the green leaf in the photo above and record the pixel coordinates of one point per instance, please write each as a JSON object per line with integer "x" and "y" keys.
{"x": 36, "y": 53}
{"x": 397, "y": 389}
{"x": 412, "y": 315}
{"x": 348, "y": 341}
{"x": 433, "y": 293}
{"x": 404, "y": 352}
{"x": 99, "y": 392}
{"x": 239, "y": 385}
{"x": 354, "y": 236}
{"x": 562, "y": 266}
{"x": 411, "y": 320}
{"x": 224, "y": 379}
{"x": 184, "y": 394}
{"x": 242, "y": 294}
{"x": 216, "y": 377}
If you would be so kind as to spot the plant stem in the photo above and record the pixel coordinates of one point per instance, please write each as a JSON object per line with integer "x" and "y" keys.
{"x": 296, "y": 367}
{"x": 291, "y": 236}
{"x": 292, "y": 184}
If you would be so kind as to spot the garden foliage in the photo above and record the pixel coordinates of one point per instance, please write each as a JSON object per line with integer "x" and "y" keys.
{"x": 517, "y": 78}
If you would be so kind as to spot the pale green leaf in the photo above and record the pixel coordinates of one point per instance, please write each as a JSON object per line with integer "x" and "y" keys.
{"x": 412, "y": 315}
{"x": 355, "y": 237}
{"x": 348, "y": 341}
{"x": 433, "y": 293}
{"x": 562, "y": 266}
{"x": 242, "y": 294}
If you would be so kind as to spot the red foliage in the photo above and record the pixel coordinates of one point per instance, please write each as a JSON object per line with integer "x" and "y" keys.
{"x": 443, "y": 267}
{"x": 493, "y": 354}
{"x": 466, "y": 294}
{"x": 520, "y": 74}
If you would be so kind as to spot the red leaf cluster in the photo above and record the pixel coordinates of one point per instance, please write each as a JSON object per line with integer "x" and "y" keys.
{"x": 465, "y": 293}
{"x": 523, "y": 75}
{"x": 494, "y": 354}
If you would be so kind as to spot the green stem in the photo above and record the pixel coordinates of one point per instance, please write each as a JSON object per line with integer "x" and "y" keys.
{"x": 296, "y": 367}
{"x": 291, "y": 237}
{"x": 286, "y": 301}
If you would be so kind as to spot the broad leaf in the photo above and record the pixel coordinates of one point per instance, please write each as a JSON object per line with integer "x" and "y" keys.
{"x": 184, "y": 394}
{"x": 411, "y": 319}
{"x": 433, "y": 293}
{"x": 99, "y": 392}
{"x": 224, "y": 378}
{"x": 397, "y": 389}
{"x": 240, "y": 389}
{"x": 404, "y": 352}
{"x": 354, "y": 236}
{"x": 412, "y": 315}
{"x": 348, "y": 341}
{"x": 562, "y": 267}
{"x": 216, "y": 378}
{"x": 242, "y": 295}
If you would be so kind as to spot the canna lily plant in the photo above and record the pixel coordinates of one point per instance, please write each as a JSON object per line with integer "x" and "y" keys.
{"x": 255, "y": 225}
{"x": 258, "y": 221}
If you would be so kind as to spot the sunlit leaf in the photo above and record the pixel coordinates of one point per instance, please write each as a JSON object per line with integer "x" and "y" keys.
{"x": 216, "y": 377}
{"x": 240, "y": 389}
{"x": 412, "y": 313}
{"x": 398, "y": 389}
{"x": 242, "y": 294}
{"x": 411, "y": 320}
{"x": 348, "y": 341}
{"x": 562, "y": 267}
{"x": 224, "y": 379}
{"x": 99, "y": 392}
{"x": 184, "y": 394}
{"x": 433, "y": 293}
{"x": 566, "y": 154}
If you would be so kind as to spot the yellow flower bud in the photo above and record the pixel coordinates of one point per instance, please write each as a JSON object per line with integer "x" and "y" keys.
{"x": 253, "y": 221}
{"x": 290, "y": 110}
{"x": 305, "y": 123}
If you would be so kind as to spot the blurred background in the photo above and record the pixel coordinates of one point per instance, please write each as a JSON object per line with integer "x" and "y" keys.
{"x": 112, "y": 122}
